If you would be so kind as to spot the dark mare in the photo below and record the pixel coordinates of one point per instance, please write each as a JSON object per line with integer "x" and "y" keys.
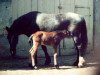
{"x": 36, "y": 21}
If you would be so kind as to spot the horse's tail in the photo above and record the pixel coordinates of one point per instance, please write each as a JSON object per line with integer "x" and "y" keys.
{"x": 84, "y": 38}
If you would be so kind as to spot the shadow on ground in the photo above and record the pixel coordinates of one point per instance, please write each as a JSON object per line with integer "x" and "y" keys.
{"x": 21, "y": 63}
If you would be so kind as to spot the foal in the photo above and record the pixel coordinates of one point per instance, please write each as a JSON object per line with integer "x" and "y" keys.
{"x": 46, "y": 38}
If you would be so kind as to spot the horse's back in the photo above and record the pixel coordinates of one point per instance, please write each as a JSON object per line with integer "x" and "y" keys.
{"x": 74, "y": 17}
{"x": 25, "y": 22}
{"x": 26, "y": 19}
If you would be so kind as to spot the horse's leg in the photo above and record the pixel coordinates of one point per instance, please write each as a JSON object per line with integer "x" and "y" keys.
{"x": 30, "y": 59}
{"x": 48, "y": 60}
{"x": 33, "y": 51}
{"x": 55, "y": 58}
{"x": 13, "y": 45}
{"x": 80, "y": 60}
{"x": 76, "y": 48}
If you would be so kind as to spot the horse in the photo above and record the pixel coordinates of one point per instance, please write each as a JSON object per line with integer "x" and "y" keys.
{"x": 37, "y": 21}
{"x": 46, "y": 38}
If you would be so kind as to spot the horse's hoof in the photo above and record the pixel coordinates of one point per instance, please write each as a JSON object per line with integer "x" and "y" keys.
{"x": 56, "y": 66}
{"x": 81, "y": 65}
{"x": 81, "y": 62}
{"x": 13, "y": 54}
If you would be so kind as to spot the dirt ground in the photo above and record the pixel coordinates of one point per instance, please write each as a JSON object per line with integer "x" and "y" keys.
{"x": 19, "y": 66}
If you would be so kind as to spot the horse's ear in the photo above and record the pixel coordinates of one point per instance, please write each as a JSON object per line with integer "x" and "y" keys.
{"x": 7, "y": 28}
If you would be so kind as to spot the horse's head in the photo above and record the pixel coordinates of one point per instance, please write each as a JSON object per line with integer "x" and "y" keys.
{"x": 12, "y": 39}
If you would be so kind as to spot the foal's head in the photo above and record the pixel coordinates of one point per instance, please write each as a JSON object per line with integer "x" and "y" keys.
{"x": 63, "y": 33}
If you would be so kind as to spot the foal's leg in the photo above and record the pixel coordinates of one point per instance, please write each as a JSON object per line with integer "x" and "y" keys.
{"x": 30, "y": 59}
{"x": 55, "y": 57}
{"x": 80, "y": 60}
{"x": 33, "y": 51}
{"x": 48, "y": 60}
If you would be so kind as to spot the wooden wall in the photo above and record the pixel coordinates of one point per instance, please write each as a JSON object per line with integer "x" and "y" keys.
{"x": 5, "y": 14}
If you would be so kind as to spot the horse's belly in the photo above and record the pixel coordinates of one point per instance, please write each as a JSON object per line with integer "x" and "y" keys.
{"x": 47, "y": 22}
{"x": 46, "y": 43}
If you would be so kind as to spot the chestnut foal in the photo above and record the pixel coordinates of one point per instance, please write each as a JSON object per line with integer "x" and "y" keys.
{"x": 46, "y": 38}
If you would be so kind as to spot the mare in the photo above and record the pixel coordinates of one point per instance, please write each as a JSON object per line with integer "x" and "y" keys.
{"x": 36, "y": 21}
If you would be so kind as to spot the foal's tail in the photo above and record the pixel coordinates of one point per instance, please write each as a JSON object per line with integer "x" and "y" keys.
{"x": 84, "y": 38}
{"x": 30, "y": 39}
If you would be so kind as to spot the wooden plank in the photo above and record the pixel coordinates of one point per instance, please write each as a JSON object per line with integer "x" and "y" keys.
{"x": 27, "y": 6}
{"x": 91, "y": 24}
{"x": 34, "y": 5}
{"x": 5, "y": 15}
{"x": 23, "y": 6}
{"x": 56, "y": 9}
{"x": 46, "y": 6}
{"x": 20, "y": 7}
{"x": 67, "y": 6}
{"x": 82, "y": 2}
{"x": 14, "y": 9}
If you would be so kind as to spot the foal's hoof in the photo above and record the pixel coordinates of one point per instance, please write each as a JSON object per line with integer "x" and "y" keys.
{"x": 56, "y": 66}
{"x": 34, "y": 67}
